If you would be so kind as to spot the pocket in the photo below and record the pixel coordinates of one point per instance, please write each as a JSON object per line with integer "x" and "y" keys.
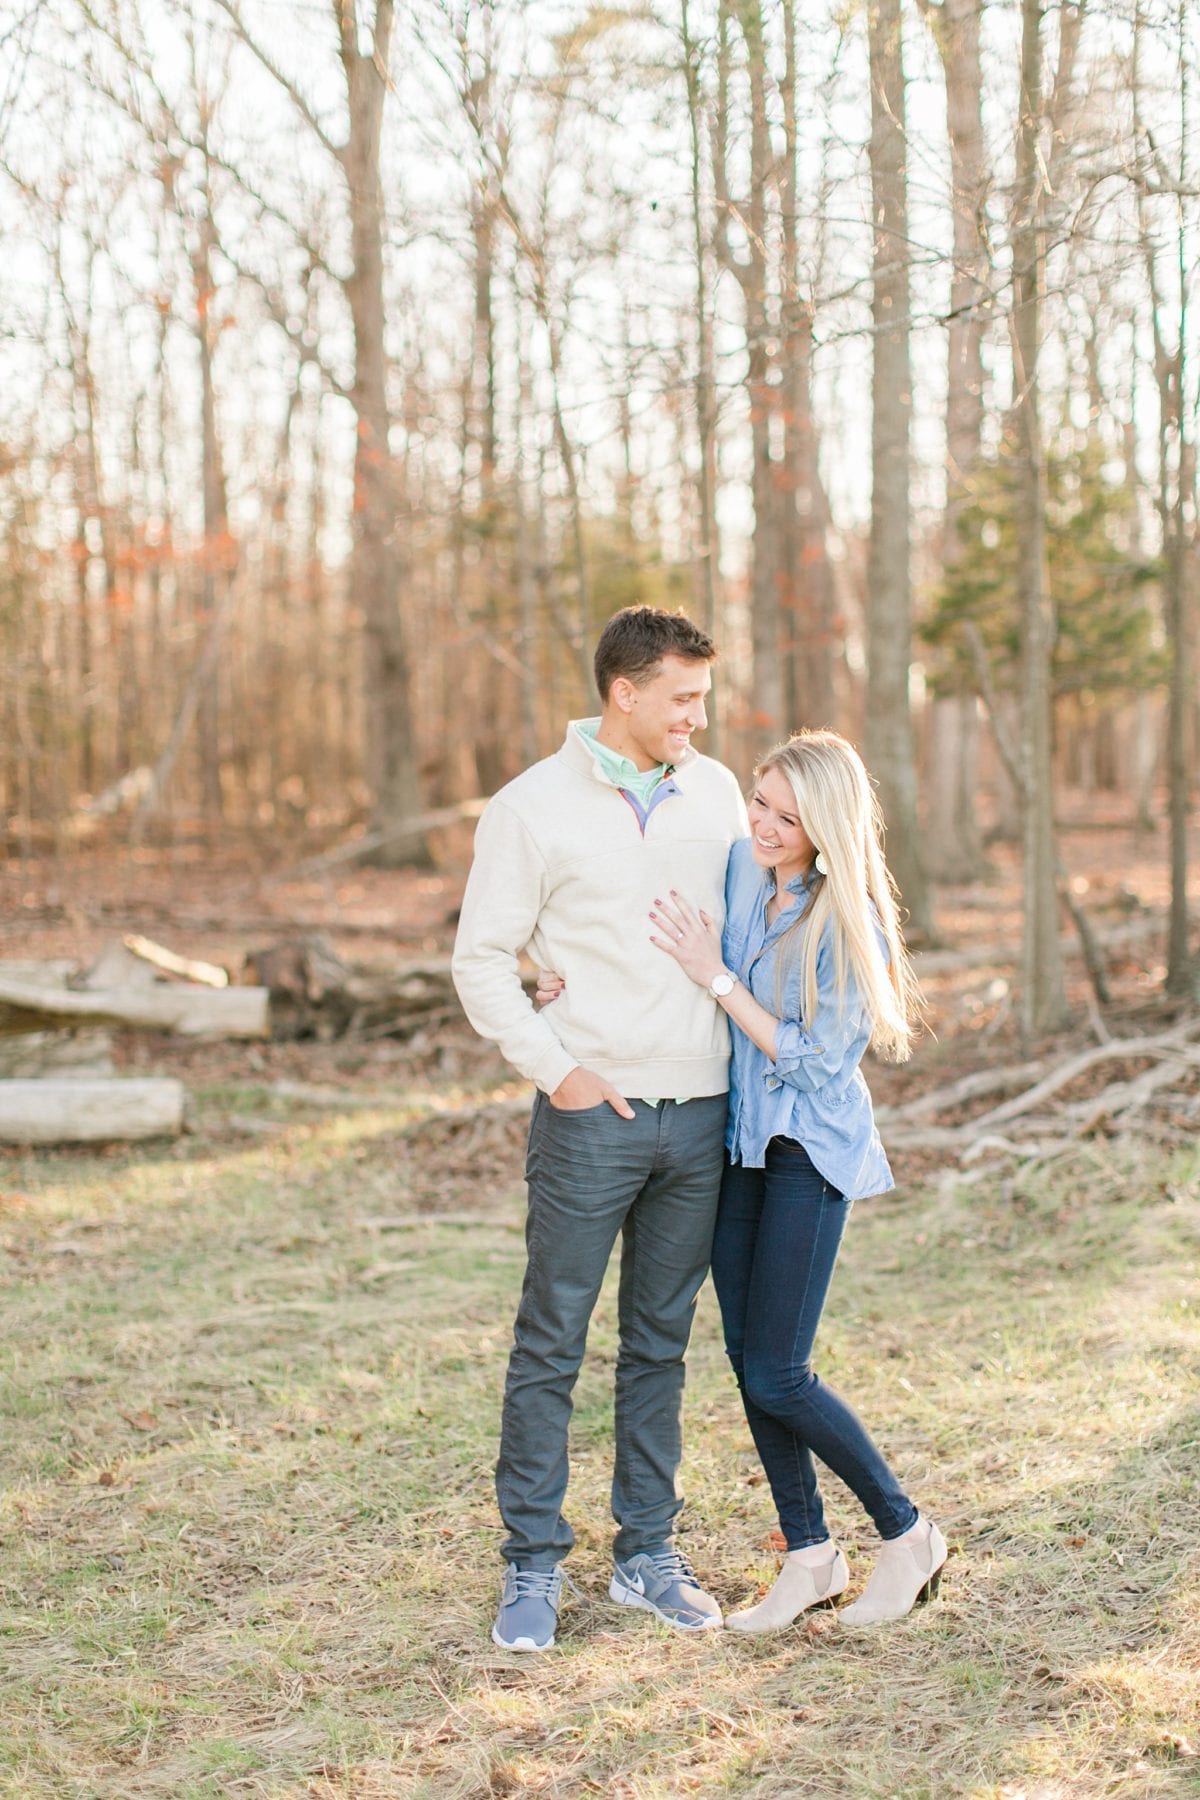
{"x": 576, "y": 1112}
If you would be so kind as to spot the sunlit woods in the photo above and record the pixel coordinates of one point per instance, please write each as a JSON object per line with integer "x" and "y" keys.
{"x": 356, "y": 363}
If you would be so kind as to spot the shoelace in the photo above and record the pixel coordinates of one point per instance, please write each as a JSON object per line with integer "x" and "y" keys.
{"x": 674, "y": 1566}
{"x": 541, "y": 1584}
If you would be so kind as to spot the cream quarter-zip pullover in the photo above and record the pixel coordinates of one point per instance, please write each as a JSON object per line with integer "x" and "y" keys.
{"x": 564, "y": 870}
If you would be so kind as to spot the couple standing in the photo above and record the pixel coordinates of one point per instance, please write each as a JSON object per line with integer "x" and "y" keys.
{"x": 699, "y": 1095}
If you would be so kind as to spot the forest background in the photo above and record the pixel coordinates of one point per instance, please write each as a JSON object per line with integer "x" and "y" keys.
{"x": 356, "y": 362}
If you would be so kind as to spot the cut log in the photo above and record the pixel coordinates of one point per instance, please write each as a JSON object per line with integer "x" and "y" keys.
{"x": 315, "y": 995}
{"x": 114, "y": 967}
{"x": 235, "y": 1012}
{"x": 51, "y": 972}
{"x": 89, "y": 1111}
{"x": 399, "y": 1001}
{"x": 309, "y": 987}
{"x": 159, "y": 957}
{"x": 69, "y": 1054}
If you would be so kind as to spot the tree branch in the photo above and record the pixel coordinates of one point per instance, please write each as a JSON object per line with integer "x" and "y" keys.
{"x": 337, "y": 151}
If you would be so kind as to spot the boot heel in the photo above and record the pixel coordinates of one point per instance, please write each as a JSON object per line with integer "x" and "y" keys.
{"x": 930, "y": 1590}
{"x": 907, "y": 1574}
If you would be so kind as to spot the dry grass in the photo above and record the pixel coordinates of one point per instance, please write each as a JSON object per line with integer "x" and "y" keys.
{"x": 247, "y": 1537}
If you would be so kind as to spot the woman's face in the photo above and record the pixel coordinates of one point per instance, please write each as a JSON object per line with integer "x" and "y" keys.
{"x": 779, "y": 840}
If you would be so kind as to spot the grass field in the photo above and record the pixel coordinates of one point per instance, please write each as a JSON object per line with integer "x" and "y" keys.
{"x": 247, "y": 1529}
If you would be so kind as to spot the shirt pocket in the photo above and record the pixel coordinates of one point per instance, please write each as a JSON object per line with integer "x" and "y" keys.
{"x": 733, "y": 945}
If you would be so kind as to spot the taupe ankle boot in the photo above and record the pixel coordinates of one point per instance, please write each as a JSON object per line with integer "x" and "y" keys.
{"x": 798, "y": 1586}
{"x": 909, "y": 1570}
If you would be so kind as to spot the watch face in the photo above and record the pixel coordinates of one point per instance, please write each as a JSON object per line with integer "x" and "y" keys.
{"x": 721, "y": 985}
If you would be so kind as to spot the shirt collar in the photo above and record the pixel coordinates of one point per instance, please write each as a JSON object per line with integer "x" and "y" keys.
{"x": 798, "y": 885}
{"x": 621, "y": 770}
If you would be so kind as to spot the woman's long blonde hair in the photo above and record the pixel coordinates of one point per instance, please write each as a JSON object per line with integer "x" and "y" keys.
{"x": 840, "y": 814}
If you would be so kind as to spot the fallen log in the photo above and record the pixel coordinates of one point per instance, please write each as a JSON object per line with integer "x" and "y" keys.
{"x": 114, "y": 967}
{"x": 1161, "y": 1043}
{"x": 1008, "y": 954}
{"x": 314, "y": 994}
{"x": 187, "y": 968}
{"x": 309, "y": 987}
{"x": 968, "y": 1087}
{"x": 235, "y": 1012}
{"x": 405, "y": 997}
{"x": 85, "y": 1111}
{"x": 52, "y": 972}
{"x": 1174, "y": 1058}
{"x": 69, "y": 1054}
{"x": 1123, "y": 1097}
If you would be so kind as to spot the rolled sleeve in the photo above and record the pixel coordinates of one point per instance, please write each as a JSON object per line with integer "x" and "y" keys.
{"x": 808, "y": 1059}
{"x": 802, "y": 1061}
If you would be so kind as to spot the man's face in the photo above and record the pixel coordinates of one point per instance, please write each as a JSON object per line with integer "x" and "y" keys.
{"x": 660, "y": 717}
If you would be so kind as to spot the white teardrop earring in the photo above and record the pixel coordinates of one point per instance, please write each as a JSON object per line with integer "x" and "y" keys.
{"x": 821, "y": 866}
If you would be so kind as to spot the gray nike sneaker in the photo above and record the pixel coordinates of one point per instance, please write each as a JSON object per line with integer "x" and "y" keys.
{"x": 529, "y": 1602}
{"x": 664, "y": 1582}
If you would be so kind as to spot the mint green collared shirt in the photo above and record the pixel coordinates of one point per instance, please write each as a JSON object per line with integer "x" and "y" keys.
{"x": 621, "y": 769}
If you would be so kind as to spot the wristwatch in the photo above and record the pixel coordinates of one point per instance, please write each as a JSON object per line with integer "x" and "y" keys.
{"x": 721, "y": 984}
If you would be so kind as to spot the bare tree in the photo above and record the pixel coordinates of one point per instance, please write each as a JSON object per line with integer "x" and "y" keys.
{"x": 889, "y": 733}
{"x": 807, "y": 605}
{"x": 1159, "y": 188}
{"x": 1043, "y": 998}
{"x": 743, "y": 245}
{"x": 953, "y": 841}
{"x": 705, "y": 377}
{"x": 364, "y": 41}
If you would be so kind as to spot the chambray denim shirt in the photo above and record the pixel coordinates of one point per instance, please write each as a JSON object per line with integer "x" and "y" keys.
{"x": 814, "y": 1091}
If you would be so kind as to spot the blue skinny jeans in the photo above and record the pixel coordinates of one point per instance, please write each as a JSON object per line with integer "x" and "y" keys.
{"x": 777, "y": 1239}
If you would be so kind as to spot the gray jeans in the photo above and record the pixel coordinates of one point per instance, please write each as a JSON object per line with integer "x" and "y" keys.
{"x": 654, "y": 1179}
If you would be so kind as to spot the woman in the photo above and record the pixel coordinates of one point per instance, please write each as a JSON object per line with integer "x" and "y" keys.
{"x": 811, "y": 970}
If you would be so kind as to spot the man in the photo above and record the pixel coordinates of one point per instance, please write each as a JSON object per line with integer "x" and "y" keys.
{"x": 628, "y": 1125}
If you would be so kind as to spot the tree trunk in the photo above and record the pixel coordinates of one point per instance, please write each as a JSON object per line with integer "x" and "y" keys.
{"x": 378, "y": 572}
{"x": 954, "y": 843}
{"x": 1176, "y": 489}
{"x": 708, "y": 558}
{"x": 215, "y": 569}
{"x": 767, "y": 697}
{"x": 527, "y": 578}
{"x": 493, "y": 727}
{"x": 889, "y": 732}
{"x": 1043, "y": 999}
{"x": 806, "y": 601}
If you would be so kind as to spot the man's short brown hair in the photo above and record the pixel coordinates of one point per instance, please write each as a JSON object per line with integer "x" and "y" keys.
{"x": 636, "y": 639}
